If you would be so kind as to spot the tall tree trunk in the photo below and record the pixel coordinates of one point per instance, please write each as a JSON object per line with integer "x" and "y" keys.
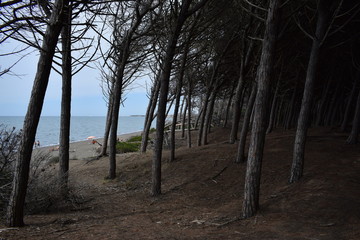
{"x": 304, "y": 116}
{"x": 319, "y": 117}
{"x": 207, "y": 123}
{"x": 149, "y": 116}
{"x": 273, "y": 106}
{"x": 236, "y": 107}
{"x": 257, "y": 140}
{"x": 348, "y": 105}
{"x": 245, "y": 126}
{"x": 15, "y": 212}
{"x": 354, "y": 134}
{"x": 292, "y": 106}
{"x": 164, "y": 89}
{"x": 183, "y": 119}
{"x": 107, "y": 127}
{"x": 202, "y": 118}
{"x": 189, "y": 114}
{"x": 65, "y": 104}
{"x": 176, "y": 109}
{"x": 228, "y": 107}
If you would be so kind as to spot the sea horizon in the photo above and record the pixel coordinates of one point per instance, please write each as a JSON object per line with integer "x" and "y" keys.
{"x": 48, "y": 131}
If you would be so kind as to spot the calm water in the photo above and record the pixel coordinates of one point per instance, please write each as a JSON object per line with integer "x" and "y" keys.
{"x": 81, "y": 127}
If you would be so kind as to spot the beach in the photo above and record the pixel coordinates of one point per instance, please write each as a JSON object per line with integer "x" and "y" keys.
{"x": 81, "y": 150}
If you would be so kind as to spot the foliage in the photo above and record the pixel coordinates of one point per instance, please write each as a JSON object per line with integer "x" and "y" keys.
{"x": 124, "y": 147}
{"x": 135, "y": 139}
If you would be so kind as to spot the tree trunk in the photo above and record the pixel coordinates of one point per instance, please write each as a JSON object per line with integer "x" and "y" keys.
{"x": 149, "y": 116}
{"x": 189, "y": 114}
{"x": 15, "y": 213}
{"x": 319, "y": 117}
{"x": 228, "y": 107}
{"x": 257, "y": 140}
{"x": 237, "y": 107}
{"x": 207, "y": 121}
{"x": 164, "y": 89}
{"x": 202, "y": 118}
{"x": 273, "y": 106}
{"x": 107, "y": 127}
{"x": 289, "y": 118}
{"x": 183, "y": 119}
{"x": 304, "y": 116}
{"x": 65, "y": 104}
{"x": 176, "y": 109}
{"x": 245, "y": 126}
{"x": 354, "y": 134}
{"x": 348, "y": 105}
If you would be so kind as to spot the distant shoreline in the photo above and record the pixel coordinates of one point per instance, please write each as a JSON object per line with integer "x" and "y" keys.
{"x": 81, "y": 150}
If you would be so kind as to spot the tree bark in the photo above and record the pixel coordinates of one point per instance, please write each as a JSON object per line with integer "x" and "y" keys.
{"x": 273, "y": 107}
{"x": 176, "y": 109}
{"x": 15, "y": 212}
{"x": 257, "y": 140}
{"x": 348, "y": 105}
{"x": 304, "y": 116}
{"x": 107, "y": 127}
{"x": 245, "y": 126}
{"x": 164, "y": 89}
{"x": 189, "y": 114}
{"x": 65, "y": 104}
{"x": 149, "y": 116}
{"x": 354, "y": 134}
{"x": 236, "y": 108}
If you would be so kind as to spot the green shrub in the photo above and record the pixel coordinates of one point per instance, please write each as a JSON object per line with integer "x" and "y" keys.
{"x": 152, "y": 130}
{"x": 124, "y": 147}
{"x": 135, "y": 139}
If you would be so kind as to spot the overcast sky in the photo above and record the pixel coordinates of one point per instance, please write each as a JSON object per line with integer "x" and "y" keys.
{"x": 87, "y": 97}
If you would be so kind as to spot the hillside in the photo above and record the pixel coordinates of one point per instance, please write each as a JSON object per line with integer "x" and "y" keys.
{"x": 202, "y": 195}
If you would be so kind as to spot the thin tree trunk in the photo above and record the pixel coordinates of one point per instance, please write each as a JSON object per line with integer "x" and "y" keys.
{"x": 176, "y": 110}
{"x": 189, "y": 114}
{"x": 164, "y": 89}
{"x": 273, "y": 106}
{"x": 183, "y": 120}
{"x": 354, "y": 134}
{"x": 257, "y": 140}
{"x": 289, "y": 118}
{"x": 348, "y": 105}
{"x": 304, "y": 116}
{"x": 107, "y": 127}
{"x": 319, "y": 117}
{"x": 245, "y": 126}
{"x": 236, "y": 107}
{"x": 65, "y": 104}
{"x": 149, "y": 116}
{"x": 228, "y": 107}
{"x": 15, "y": 211}
{"x": 202, "y": 118}
{"x": 207, "y": 122}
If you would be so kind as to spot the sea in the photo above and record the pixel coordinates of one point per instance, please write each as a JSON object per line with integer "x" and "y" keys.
{"x": 82, "y": 127}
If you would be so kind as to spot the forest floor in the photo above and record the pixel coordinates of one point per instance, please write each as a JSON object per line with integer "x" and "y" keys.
{"x": 202, "y": 195}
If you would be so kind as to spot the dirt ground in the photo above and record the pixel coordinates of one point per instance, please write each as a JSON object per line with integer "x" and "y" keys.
{"x": 202, "y": 195}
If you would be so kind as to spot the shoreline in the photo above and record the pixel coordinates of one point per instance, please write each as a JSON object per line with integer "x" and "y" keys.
{"x": 80, "y": 150}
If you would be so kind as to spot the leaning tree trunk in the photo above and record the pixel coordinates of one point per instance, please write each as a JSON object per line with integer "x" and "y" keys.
{"x": 257, "y": 140}
{"x": 164, "y": 89}
{"x": 202, "y": 118}
{"x": 237, "y": 108}
{"x": 107, "y": 127}
{"x": 354, "y": 134}
{"x": 189, "y": 113}
{"x": 183, "y": 119}
{"x": 207, "y": 122}
{"x": 348, "y": 105}
{"x": 228, "y": 107}
{"x": 176, "y": 111}
{"x": 304, "y": 116}
{"x": 149, "y": 116}
{"x": 65, "y": 105}
{"x": 273, "y": 108}
{"x": 15, "y": 212}
{"x": 245, "y": 126}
